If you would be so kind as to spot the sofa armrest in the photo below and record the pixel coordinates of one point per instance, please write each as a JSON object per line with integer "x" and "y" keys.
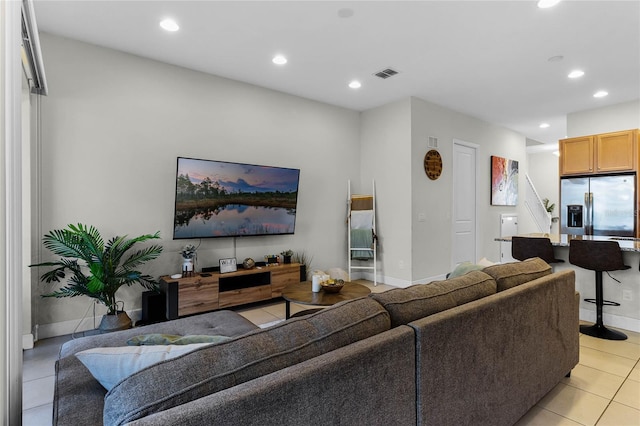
{"x": 371, "y": 381}
{"x": 489, "y": 361}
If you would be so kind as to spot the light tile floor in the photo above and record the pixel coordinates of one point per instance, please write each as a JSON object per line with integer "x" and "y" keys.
{"x": 603, "y": 390}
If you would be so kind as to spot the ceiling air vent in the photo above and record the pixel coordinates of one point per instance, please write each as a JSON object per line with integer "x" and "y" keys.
{"x": 386, "y": 73}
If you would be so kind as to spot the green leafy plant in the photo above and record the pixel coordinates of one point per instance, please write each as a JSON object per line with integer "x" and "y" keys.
{"x": 189, "y": 251}
{"x": 287, "y": 253}
{"x": 304, "y": 259}
{"x": 97, "y": 270}
{"x": 547, "y": 206}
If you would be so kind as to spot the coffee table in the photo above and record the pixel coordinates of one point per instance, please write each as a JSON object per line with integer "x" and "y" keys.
{"x": 301, "y": 293}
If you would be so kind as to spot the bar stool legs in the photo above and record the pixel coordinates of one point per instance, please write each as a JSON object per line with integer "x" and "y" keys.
{"x": 598, "y": 256}
{"x": 598, "y": 329}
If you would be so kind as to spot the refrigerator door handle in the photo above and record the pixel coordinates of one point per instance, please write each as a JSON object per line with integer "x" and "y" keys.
{"x": 588, "y": 223}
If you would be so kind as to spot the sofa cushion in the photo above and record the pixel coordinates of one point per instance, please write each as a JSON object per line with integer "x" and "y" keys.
{"x": 217, "y": 323}
{"x": 213, "y": 368}
{"x": 512, "y": 274}
{"x": 110, "y": 365}
{"x": 75, "y": 387}
{"x": 418, "y": 301}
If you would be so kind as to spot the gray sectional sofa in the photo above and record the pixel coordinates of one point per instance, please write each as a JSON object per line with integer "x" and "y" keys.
{"x": 478, "y": 349}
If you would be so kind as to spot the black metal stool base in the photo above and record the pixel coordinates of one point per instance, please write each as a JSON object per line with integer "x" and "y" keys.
{"x": 604, "y": 302}
{"x": 602, "y": 332}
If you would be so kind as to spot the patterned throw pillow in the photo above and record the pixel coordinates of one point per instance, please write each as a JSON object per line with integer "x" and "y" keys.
{"x": 172, "y": 339}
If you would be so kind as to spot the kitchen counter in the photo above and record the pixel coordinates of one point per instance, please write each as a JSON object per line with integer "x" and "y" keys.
{"x": 626, "y": 291}
{"x": 562, "y": 240}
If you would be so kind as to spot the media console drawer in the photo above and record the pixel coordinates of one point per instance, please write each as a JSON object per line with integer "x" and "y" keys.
{"x": 244, "y": 296}
{"x": 197, "y": 294}
{"x": 211, "y": 291}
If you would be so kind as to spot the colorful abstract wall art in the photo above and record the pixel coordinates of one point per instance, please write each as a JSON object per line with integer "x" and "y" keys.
{"x": 504, "y": 181}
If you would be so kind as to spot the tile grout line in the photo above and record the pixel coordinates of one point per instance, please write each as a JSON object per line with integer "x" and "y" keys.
{"x": 616, "y": 393}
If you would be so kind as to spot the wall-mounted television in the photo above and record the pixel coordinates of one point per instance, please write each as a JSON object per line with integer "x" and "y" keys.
{"x": 224, "y": 199}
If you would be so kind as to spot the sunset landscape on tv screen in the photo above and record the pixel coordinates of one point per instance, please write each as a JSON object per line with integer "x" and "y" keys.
{"x": 223, "y": 199}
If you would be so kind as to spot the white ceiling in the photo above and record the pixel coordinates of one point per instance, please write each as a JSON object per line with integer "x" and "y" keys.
{"x": 487, "y": 59}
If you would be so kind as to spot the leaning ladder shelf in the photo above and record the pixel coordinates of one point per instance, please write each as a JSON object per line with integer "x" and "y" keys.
{"x": 362, "y": 240}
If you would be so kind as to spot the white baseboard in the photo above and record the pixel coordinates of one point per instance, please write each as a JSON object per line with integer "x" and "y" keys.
{"x": 362, "y": 275}
{"x": 27, "y": 341}
{"x": 68, "y": 327}
{"x": 625, "y": 323}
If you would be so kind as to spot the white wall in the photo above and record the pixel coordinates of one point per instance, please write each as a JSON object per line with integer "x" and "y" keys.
{"x": 432, "y": 241}
{"x": 394, "y": 141}
{"x": 385, "y": 144}
{"x": 113, "y": 125}
{"x": 11, "y": 260}
{"x": 613, "y": 118}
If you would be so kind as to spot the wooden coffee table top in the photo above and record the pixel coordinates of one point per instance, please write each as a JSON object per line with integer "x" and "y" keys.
{"x": 301, "y": 293}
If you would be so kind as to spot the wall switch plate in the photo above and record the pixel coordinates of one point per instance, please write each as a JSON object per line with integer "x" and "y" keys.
{"x": 422, "y": 217}
{"x": 627, "y": 295}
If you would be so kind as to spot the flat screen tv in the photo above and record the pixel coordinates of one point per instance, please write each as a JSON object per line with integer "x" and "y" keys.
{"x": 223, "y": 199}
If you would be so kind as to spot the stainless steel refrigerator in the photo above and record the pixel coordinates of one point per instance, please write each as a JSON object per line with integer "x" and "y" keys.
{"x": 601, "y": 205}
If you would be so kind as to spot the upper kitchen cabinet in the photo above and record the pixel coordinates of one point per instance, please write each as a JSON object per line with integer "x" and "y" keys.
{"x": 576, "y": 155}
{"x": 604, "y": 153}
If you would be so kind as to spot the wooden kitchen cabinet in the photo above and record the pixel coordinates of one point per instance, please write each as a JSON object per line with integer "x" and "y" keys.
{"x": 576, "y": 156}
{"x": 603, "y": 153}
{"x": 616, "y": 152}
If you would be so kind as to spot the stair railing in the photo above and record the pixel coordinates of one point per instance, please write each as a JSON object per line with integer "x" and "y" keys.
{"x": 536, "y": 207}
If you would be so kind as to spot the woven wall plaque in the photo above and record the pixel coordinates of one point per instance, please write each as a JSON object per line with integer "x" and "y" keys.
{"x": 433, "y": 164}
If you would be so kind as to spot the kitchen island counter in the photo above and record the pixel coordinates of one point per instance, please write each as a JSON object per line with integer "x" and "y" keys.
{"x": 562, "y": 240}
{"x": 626, "y": 292}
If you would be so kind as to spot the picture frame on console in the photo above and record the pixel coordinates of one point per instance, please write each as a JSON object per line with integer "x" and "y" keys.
{"x": 228, "y": 265}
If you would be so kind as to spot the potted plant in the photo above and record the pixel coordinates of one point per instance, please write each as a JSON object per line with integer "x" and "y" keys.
{"x": 305, "y": 263}
{"x": 97, "y": 270}
{"x": 189, "y": 256}
{"x": 286, "y": 256}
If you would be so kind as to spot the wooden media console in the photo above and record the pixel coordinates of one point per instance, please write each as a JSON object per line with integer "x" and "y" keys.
{"x": 210, "y": 291}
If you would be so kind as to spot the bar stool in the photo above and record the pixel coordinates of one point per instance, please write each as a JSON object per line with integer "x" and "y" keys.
{"x": 598, "y": 256}
{"x": 525, "y": 248}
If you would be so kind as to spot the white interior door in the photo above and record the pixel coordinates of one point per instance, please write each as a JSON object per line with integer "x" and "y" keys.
{"x": 464, "y": 202}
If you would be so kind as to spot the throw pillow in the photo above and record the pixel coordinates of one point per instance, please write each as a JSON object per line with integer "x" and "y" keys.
{"x": 173, "y": 339}
{"x": 464, "y": 268}
{"x": 111, "y": 365}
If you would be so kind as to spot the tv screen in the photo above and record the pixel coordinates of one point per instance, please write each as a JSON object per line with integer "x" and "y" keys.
{"x": 222, "y": 199}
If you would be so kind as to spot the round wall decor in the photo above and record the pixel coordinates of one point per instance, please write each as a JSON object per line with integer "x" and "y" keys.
{"x": 433, "y": 164}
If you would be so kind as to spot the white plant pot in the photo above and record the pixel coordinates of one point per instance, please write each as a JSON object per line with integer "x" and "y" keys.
{"x": 187, "y": 265}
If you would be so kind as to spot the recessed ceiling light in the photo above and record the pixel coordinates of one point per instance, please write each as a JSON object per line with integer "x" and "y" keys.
{"x": 576, "y": 74}
{"x": 544, "y": 125}
{"x": 279, "y": 60}
{"x": 544, "y": 4}
{"x": 169, "y": 25}
{"x": 600, "y": 94}
{"x": 355, "y": 84}
{"x": 556, "y": 58}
